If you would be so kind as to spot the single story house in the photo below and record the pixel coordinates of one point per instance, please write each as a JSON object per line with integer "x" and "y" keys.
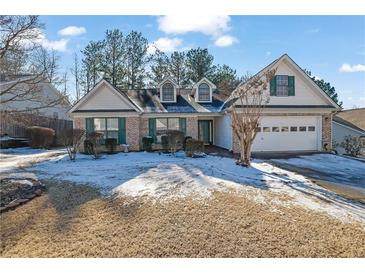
{"x": 298, "y": 116}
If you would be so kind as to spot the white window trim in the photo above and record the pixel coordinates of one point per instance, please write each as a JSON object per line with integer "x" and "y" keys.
{"x": 197, "y": 93}
{"x": 163, "y": 101}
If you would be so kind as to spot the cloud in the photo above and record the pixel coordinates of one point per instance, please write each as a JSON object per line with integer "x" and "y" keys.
{"x": 165, "y": 44}
{"x": 315, "y": 30}
{"x": 225, "y": 41}
{"x": 56, "y": 45}
{"x": 72, "y": 31}
{"x": 211, "y": 25}
{"x": 352, "y": 68}
{"x": 39, "y": 38}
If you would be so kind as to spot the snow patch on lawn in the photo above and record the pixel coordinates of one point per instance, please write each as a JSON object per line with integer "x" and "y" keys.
{"x": 162, "y": 176}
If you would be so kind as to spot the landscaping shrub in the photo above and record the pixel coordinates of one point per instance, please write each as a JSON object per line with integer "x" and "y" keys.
{"x": 185, "y": 139}
{"x": 111, "y": 145}
{"x": 165, "y": 143}
{"x": 92, "y": 144}
{"x": 40, "y": 137}
{"x": 193, "y": 146}
{"x": 352, "y": 145}
{"x": 147, "y": 143}
{"x": 175, "y": 140}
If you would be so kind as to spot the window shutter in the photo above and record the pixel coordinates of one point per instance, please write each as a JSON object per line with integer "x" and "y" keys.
{"x": 152, "y": 128}
{"x": 121, "y": 130}
{"x": 182, "y": 124}
{"x": 89, "y": 124}
{"x": 291, "y": 86}
{"x": 273, "y": 86}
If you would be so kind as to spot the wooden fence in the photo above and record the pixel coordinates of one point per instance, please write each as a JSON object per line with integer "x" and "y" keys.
{"x": 15, "y": 125}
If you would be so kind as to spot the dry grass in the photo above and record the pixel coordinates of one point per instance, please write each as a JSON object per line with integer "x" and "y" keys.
{"x": 75, "y": 221}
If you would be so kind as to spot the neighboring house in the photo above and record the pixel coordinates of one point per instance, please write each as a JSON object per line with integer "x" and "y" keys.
{"x": 44, "y": 93}
{"x": 355, "y": 116}
{"x": 343, "y": 128}
{"x": 297, "y": 118}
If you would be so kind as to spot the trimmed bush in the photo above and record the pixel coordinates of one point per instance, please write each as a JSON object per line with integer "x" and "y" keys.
{"x": 111, "y": 145}
{"x": 193, "y": 146}
{"x": 40, "y": 137}
{"x": 165, "y": 143}
{"x": 147, "y": 143}
{"x": 185, "y": 139}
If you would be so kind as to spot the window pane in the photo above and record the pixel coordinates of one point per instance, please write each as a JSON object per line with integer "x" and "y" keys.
{"x": 302, "y": 128}
{"x": 311, "y": 128}
{"x": 113, "y": 134}
{"x": 293, "y": 128}
{"x": 112, "y": 124}
{"x": 266, "y": 129}
{"x": 173, "y": 123}
{"x": 168, "y": 92}
{"x": 161, "y": 124}
{"x": 204, "y": 92}
{"x": 284, "y": 129}
{"x": 275, "y": 129}
{"x": 99, "y": 124}
{"x": 282, "y": 85}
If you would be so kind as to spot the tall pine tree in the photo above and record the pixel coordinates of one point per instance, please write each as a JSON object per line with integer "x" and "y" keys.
{"x": 114, "y": 57}
{"x": 199, "y": 63}
{"x": 159, "y": 68}
{"x": 177, "y": 68}
{"x": 136, "y": 59}
{"x": 91, "y": 65}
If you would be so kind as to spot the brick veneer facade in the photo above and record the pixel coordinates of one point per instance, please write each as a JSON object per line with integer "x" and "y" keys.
{"x": 327, "y": 131}
{"x": 137, "y": 127}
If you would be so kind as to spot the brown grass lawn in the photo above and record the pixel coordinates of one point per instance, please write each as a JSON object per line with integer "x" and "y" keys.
{"x": 75, "y": 221}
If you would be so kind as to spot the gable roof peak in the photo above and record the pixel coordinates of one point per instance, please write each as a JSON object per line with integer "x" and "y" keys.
{"x": 168, "y": 79}
{"x": 204, "y": 80}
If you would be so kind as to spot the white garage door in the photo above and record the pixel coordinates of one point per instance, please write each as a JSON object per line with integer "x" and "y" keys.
{"x": 288, "y": 133}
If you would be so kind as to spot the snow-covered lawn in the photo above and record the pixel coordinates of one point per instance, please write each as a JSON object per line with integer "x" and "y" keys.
{"x": 163, "y": 177}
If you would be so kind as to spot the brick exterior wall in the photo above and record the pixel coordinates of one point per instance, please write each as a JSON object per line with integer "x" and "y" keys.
{"x": 133, "y": 133}
{"x": 327, "y": 130}
{"x": 192, "y": 127}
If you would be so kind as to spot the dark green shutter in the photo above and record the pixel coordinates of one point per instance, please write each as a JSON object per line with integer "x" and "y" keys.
{"x": 182, "y": 122}
{"x": 273, "y": 86}
{"x": 121, "y": 130}
{"x": 152, "y": 128}
{"x": 291, "y": 86}
{"x": 89, "y": 122}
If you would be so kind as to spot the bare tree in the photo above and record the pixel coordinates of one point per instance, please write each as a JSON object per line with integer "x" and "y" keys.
{"x": 75, "y": 71}
{"x": 72, "y": 139}
{"x": 25, "y": 64}
{"x": 249, "y": 101}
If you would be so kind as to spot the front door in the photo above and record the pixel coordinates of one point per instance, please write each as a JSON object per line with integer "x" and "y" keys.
{"x": 205, "y": 131}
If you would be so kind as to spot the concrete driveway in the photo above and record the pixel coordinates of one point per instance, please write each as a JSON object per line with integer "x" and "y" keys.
{"x": 342, "y": 175}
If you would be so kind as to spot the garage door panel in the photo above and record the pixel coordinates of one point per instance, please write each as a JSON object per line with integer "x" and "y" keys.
{"x": 291, "y": 140}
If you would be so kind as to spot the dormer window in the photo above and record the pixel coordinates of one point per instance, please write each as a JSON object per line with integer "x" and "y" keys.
{"x": 204, "y": 92}
{"x": 168, "y": 92}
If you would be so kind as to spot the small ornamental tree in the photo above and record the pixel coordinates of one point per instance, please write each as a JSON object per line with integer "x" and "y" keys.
{"x": 249, "y": 102}
{"x": 72, "y": 140}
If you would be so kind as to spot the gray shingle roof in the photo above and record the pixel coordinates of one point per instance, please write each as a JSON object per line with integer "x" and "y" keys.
{"x": 148, "y": 100}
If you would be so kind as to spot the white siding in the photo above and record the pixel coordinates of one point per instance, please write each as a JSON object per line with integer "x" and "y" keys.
{"x": 104, "y": 98}
{"x": 223, "y": 132}
{"x": 339, "y": 132}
